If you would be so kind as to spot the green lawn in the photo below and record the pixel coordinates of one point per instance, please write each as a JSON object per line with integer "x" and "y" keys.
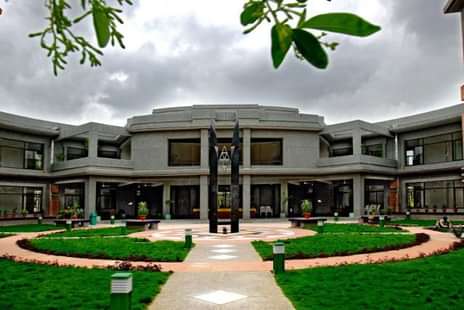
{"x": 113, "y": 248}
{"x": 99, "y": 232}
{"x": 31, "y": 286}
{"x": 2, "y": 235}
{"x": 29, "y": 228}
{"x": 429, "y": 283}
{"x": 324, "y": 245}
{"x": 422, "y": 223}
{"x": 353, "y": 228}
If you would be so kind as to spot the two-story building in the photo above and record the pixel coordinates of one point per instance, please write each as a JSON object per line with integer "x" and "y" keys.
{"x": 162, "y": 158}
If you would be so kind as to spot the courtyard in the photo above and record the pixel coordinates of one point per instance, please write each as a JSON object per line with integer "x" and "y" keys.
{"x": 361, "y": 265}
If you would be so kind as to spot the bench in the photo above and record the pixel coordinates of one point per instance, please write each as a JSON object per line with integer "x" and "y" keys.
{"x": 301, "y": 221}
{"x": 74, "y": 222}
{"x": 146, "y": 224}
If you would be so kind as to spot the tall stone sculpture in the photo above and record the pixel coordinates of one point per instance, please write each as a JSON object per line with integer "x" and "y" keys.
{"x": 234, "y": 184}
{"x": 213, "y": 180}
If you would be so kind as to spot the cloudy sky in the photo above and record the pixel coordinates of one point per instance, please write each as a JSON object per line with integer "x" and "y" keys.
{"x": 193, "y": 52}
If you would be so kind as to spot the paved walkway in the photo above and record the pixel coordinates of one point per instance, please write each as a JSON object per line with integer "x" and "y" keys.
{"x": 221, "y": 290}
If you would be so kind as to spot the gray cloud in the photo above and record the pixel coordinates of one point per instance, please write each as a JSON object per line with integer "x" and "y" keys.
{"x": 413, "y": 65}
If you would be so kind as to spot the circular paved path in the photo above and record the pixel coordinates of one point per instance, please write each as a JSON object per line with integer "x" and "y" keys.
{"x": 438, "y": 242}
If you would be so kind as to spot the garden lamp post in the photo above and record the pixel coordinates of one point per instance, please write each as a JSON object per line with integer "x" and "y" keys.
{"x": 39, "y": 219}
{"x": 320, "y": 226}
{"x": 336, "y": 216}
{"x": 278, "y": 251}
{"x": 188, "y": 238}
{"x": 382, "y": 220}
{"x": 68, "y": 225}
{"x": 112, "y": 219}
{"x": 121, "y": 291}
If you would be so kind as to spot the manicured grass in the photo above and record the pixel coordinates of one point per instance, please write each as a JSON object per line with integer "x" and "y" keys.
{"x": 29, "y": 228}
{"x": 428, "y": 283}
{"x": 32, "y": 286}
{"x": 2, "y": 235}
{"x": 422, "y": 223}
{"x": 112, "y": 248}
{"x": 324, "y": 245}
{"x": 99, "y": 232}
{"x": 353, "y": 228}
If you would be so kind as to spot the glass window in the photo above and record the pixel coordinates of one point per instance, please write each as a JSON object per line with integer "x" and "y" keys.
{"x": 266, "y": 152}
{"x": 34, "y": 156}
{"x": 75, "y": 152}
{"x": 373, "y": 150}
{"x": 435, "y": 195}
{"x": 21, "y": 155}
{"x": 18, "y": 201}
{"x": 108, "y": 154}
{"x": 435, "y": 149}
{"x": 184, "y": 152}
{"x": 345, "y": 151}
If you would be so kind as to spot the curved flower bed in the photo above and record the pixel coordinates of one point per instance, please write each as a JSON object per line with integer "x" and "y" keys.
{"x": 327, "y": 245}
{"x": 123, "y": 248}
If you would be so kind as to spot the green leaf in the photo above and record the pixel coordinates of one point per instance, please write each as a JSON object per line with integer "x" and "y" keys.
{"x": 342, "y": 23}
{"x": 251, "y": 13}
{"x": 281, "y": 38}
{"x": 101, "y": 24}
{"x": 310, "y": 48}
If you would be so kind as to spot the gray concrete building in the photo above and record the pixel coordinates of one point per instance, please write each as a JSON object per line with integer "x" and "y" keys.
{"x": 162, "y": 158}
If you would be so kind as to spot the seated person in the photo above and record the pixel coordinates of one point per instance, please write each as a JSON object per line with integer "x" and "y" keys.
{"x": 443, "y": 223}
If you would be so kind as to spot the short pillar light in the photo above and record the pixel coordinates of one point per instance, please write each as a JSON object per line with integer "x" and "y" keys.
{"x": 68, "y": 225}
{"x": 320, "y": 226}
{"x": 188, "y": 238}
{"x": 39, "y": 219}
{"x": 408, "y": 215}
{"x": 121, "y": 291}
{"x": 112, "y": 220}
{"x": 382, "y": 220}
{"x": 336, "y": 216}
{"x": 278, "y": 251}
{"x": 124, "y": 228}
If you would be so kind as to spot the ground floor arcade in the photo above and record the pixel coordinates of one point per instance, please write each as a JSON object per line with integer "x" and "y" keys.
{"x": 261, "y": 197}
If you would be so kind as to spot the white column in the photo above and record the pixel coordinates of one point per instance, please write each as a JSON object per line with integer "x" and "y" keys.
{"x": 203, "y": 197}
{"x": 166, "y": 199}
{"x": 284, "y": 197}
{"x": 357, "y": 141}
{"x": 93, "y": 145}
{"x": 246, "y": 196}
{"x": 247, "y": 148}
{"x": 204, "y": 149}
{"x": 358, "y": 196}
{"x": 90, "y": 196}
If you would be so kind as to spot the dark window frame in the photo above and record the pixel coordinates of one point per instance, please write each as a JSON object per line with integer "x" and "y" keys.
{"x": 26, "y": 192}
{"x": 85, "y": 152}
{"x": 25, "y": 149}
{"x": 281, "y": 150}
{"x": 367, "y": 149}
{"x": 416, "y": 189}
{"x": 193, "y": 141}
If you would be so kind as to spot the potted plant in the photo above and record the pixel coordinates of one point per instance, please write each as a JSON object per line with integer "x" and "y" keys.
{"x": 142, "y": 210}
{"x": 306, "y": 208}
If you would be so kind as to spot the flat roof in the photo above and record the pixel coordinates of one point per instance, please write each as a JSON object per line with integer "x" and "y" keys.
{"x": 454, "y": 6}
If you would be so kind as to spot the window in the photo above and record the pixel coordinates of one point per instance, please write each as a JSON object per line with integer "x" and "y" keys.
{"x": 17, "y": 201}
{"x": 73, "y": 195}
{"x": 435, "y": 149}
{"x": 266, "y": 152}
{"x": 373, "y": 150}
{"x": 343, "y": 151}
{"x": 375, "y": 194}
{"x": 21, "y": 155}
{"x": 73, "y": 152}
{"x": 109, "y": 154}
{"x": 184, "y": 152}
{"x": 435, "y": 195}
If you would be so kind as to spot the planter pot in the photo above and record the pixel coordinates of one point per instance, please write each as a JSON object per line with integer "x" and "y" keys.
{"x": 307, "y": 215}
{"x": 142, "y": 217}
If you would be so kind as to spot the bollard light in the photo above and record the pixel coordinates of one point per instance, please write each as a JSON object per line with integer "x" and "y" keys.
{"x": 112, "y": 219}
{"x": 121, "y": 291}
{"x": 382, "y": 220}
{"x": 68, "y": 225}
{"x": 39, "y": 220}
{"x": 320, "y": 226}
{"x": 188, "y": 238}
{"x": 124, "y": 228}
{"x": 336, "y": 216}
{"x": 462, "y": 235}
{"x": 278, "y": 251}
{"x": 408, "y": 214}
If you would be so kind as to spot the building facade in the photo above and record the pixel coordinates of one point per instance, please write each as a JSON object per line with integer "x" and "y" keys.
{"x": 407, "y": 163}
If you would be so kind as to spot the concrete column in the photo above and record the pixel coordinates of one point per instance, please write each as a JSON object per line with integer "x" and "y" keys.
{"x": 246, "y": 196}
{"x": 166, "y": 198}
{"x": 357, "y": 141}
{"x": 358, "y": 196}
{"x": 204, "y": 197}
{"x": 284, "y": 197}
{"x": 247, "y": 148}
{"x": 204, "y": 149}
{"x": 90, "y": 196}
{"x": 93, "y": 145}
